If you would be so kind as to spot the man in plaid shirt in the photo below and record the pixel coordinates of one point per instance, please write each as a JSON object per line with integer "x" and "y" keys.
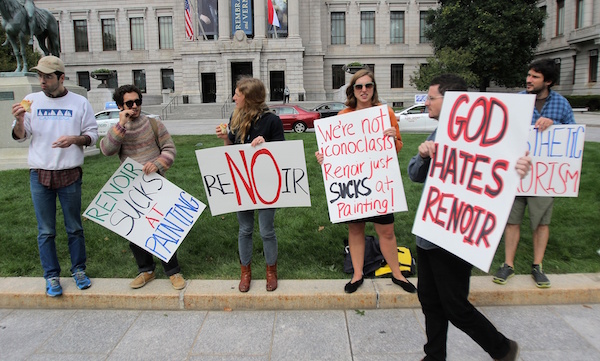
{"x": 550, "y": 108}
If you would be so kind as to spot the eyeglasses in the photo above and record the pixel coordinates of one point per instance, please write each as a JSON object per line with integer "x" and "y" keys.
{"x": 130, "y": 103}
{"x": 433, "y": 98}
{"x": 358, "y": 86}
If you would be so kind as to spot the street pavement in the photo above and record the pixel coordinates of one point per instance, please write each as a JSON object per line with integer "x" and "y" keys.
{"x": 545, "y": 333}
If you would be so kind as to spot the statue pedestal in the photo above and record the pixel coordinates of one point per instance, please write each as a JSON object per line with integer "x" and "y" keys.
{"x": 13, "y": 88}
{"x": 98, "y": 98}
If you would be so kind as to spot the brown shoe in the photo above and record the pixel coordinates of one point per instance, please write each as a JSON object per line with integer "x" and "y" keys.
{"x": 245, "y": 278}
{"x": 272, "y": 277}
{"x": 142, "y": 279}
{"x": 177, "y": 281}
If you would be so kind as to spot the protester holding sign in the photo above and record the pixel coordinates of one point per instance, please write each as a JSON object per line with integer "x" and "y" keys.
{"x": 147, "y": 141}
{"x": 550, "y": 108}
{"x": 444, "y": 277}
{"x": 252, "y": 122}
{"x": 361, "y": 94}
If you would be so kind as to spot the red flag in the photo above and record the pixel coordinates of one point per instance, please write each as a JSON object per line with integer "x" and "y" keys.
{"x": 273, "y": 19}
{"x": 189, "y": 25}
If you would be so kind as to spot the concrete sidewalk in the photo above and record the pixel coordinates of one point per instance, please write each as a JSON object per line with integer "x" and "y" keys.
{"x": 29, "y": 292}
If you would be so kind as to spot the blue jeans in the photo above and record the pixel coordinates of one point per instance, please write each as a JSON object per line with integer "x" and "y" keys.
{"x": 266, "y": 222}
{"x": 44, "y": 204}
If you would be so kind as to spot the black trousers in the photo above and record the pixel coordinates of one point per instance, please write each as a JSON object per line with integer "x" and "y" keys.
{"x": 145, "y": 261}
{"x": 443, "y": 290}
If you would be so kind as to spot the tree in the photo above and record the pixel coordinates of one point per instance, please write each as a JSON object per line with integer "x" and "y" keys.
{"x": 500, "y": 35}
{"x": 445, "y": 61}
{"x": 8, "y": 63}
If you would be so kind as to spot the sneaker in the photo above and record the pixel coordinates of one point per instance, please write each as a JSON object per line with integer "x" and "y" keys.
{"x": 503, "y": 274}
{"x": 142, "y": 279}
{"x": 177, "y": 281}
{"x": 513, "y": 352}
{"x": 81, "y": 280}
{"x": 541, "y": 281}
{"x": 53, "y": 288}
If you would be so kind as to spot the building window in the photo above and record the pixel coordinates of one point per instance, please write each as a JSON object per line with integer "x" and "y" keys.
{"x": 423, "y": 27}
{"x": 109, "y": 35}
{"x": 136, "y": 28}
{"x": 165, "y": 32}
{"x": 397, "y": 27}
{"x": 338, "y": 28}
{"x": 167, "y": 79}
{"x": 557, "y": 65}
{"x": 397, "y": 76}
{"x": 83, "y": 79}
{"x": 594, "y": 66}
{"x": 80, "y": 34}
{"x": 113, "y": 82}
{"x": 367, "y": 27}
{"x": 543, "y": 29}
{"x": 579, "y": 8}
{"x": 139, "y": 79}
{"x": 338, "y": 76}
{"x": 560, "y": 17}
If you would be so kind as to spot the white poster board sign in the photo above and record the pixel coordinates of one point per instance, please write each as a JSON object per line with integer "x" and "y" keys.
{"x": 556, "y": 154}
{"x": 360, "y": 167}
{"x": 147, "y": 210}
{"x": 472, "y": 181}
{"x": 242, "y": 177}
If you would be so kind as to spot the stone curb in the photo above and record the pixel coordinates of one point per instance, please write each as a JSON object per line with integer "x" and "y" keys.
{"x": 28, "y": 292}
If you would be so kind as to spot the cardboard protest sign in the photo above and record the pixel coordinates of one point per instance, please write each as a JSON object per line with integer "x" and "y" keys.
{"x": 147, "y": 210}
{"x": 360, "y": 166}
{"x": 472, "y": 181}
{"x": 556, "y": 154}
{"x": 242, "y": 177}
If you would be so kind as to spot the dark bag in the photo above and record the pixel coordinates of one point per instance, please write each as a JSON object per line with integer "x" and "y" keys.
{"x": 373, "y": 257}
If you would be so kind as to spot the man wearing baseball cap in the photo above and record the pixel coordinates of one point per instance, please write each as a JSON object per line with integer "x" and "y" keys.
{"x": 59, "y": 124}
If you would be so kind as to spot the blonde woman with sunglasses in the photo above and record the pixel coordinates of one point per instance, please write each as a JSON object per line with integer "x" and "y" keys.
{"x": 362, "y": 94}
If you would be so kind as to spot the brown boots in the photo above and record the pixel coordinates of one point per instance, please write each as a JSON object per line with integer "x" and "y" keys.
{"x": 272, "y": 277}
{"x": 245, "y": 278}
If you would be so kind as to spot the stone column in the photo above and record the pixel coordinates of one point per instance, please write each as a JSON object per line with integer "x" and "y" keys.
{"x": 294, "y": 18}
{"x": 588, "y": 12}
{"x": 224, "y": 20}
{"x": 260, "y": 18}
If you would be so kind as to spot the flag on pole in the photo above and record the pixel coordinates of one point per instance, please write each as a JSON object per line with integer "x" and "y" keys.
{"x": 273, "y": 19}
{"x": 189, "y": 24}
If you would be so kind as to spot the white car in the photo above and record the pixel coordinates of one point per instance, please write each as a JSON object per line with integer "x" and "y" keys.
{"x": 416, "y": 119}
{"x": 109, "y": 117}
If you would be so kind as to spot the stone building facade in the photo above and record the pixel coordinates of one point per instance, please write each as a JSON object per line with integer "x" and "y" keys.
{"x": 146, "y": 43}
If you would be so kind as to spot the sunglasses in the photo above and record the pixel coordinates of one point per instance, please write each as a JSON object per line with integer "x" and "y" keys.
{"x": 366, "y": 85}
{"x": 130, "y": 103}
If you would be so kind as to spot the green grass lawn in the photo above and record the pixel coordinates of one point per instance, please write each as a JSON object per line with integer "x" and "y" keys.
{"x": 309, "y": 245}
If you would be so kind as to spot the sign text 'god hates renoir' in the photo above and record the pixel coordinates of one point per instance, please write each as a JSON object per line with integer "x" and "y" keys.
{"x": 241, "y": 177}
{"x": 472, "y": 181}
{"x": 360, "y": 165}
{"x": 147, "y": 210}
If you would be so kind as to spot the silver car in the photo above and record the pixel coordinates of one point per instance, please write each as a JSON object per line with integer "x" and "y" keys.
{"x": 416, "y": 119}
{"x": 109, "y": 117}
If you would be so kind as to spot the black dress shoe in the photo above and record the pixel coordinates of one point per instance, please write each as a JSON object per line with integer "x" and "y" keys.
{"x": 352, "y": 287}
{"x": 407, "y": 286}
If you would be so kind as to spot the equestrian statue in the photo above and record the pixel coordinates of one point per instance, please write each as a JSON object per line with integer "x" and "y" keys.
{"x": 20, "y": 20}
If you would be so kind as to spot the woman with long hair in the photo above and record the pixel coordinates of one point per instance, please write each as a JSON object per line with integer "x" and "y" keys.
{"x": 361, "y": 93}
{"x": 252, "y": 122}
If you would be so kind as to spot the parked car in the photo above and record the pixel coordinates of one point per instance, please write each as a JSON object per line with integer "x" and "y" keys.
{"x": 108, "y": 117}
{"x": 295, "y": 118}
{"x": 416, "y": 119}
{"x": 329, "y": 109}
